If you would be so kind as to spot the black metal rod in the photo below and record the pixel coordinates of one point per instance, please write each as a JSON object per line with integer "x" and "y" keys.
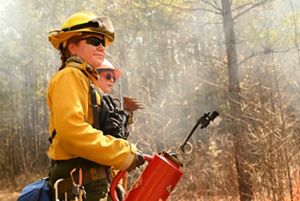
{"x": 204, "y": 120}
{"x": 188, "y": 137}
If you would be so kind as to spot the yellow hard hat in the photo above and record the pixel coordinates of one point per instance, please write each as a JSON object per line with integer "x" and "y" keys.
{"x": 82, "y": 22}
{"x": 107, "y": 65}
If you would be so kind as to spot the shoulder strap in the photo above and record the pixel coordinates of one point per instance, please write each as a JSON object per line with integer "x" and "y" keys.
{"x": 94, "y": 105}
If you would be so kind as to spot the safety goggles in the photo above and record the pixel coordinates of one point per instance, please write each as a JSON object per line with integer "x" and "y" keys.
{"x": 95, "y": 41}
{"x": 108, "y": 76}
{"x": 101, "y": 25}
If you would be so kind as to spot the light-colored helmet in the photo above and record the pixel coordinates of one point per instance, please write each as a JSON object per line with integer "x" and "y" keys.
{"x": 82, "y": 22}
{"x": 107, "y": 65}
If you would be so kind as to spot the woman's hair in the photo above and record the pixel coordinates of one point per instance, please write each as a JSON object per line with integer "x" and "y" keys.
{"x": 65, "y": 53}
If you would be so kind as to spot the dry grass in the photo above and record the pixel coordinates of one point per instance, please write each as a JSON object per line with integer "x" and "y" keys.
{"x": 10, "y": 190}
{"x": 11, "y": 187}
{"x": 8, "y": 195}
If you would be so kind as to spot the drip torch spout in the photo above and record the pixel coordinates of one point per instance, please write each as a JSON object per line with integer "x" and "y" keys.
{"x": 204, "y": 120}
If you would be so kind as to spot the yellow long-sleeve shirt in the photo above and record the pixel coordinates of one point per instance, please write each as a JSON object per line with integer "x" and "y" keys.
{"x": 71, "y": 115}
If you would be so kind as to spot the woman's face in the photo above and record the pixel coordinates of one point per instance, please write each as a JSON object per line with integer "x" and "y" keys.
{"x": 90, "y": 49}
{"x": 106, "y": 80}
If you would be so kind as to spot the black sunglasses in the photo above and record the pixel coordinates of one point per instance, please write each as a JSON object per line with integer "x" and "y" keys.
{"x": 109, "y": 75}
{"x": 92, "y": 40}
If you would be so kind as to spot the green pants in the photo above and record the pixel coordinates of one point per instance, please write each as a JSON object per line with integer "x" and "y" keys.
{"x": 95, "y": 190}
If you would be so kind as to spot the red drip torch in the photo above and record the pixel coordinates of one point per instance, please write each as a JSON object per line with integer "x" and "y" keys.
{"x": 157, "y": 180}
{"x": 162, "y": 173}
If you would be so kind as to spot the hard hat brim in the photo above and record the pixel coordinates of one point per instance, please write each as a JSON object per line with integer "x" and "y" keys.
{"x": 58, "y": 37}
{"x": 107, "y": 65}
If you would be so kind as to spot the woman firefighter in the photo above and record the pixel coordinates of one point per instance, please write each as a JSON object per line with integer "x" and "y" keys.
{"x": 84, "y": 146}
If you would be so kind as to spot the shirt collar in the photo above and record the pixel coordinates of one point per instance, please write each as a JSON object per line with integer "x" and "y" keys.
{"x": 75, "y": 61}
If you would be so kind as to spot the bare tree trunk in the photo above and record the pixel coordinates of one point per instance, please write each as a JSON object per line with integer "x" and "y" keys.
{"x": 244, "y": 182}
{"x": 296, "y": 42}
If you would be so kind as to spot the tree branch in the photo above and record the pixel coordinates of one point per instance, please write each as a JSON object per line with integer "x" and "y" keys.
{"x": 242, "y": 6}
{"x": 250, "y": 56}
{"x": 215, "y": 5}
{"x": 264, "y": 52}
{"x": 188, "y": 8}
{"x": 250, "y": 8}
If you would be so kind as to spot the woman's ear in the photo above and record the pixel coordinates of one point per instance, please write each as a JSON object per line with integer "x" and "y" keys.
{"x": 72, "y": 49}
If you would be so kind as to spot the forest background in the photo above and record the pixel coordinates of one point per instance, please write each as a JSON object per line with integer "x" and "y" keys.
{"x": 180, "y": 58}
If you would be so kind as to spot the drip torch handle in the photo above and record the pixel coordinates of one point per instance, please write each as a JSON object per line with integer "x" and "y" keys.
{"x": 119, "y": 176}
{"x": 114, "y": 184}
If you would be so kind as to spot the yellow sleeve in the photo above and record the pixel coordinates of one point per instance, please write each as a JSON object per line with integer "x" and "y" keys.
{"x": 68, "y": 100}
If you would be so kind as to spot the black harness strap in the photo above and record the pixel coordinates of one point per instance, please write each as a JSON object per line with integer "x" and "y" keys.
{"x": 94, "y": 106}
